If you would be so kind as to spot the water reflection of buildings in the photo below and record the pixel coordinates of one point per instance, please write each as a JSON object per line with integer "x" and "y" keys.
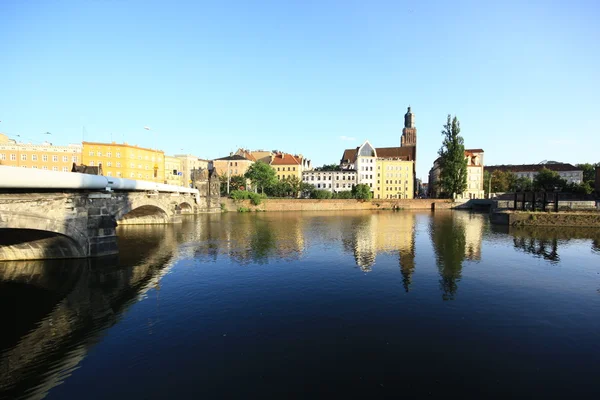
{"x": 383, "y": 232}
{"x": 249, "y": 238}
{"x": 61, "y": 307}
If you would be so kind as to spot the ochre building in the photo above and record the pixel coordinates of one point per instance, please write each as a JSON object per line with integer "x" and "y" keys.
{"x": 126, "y": 161}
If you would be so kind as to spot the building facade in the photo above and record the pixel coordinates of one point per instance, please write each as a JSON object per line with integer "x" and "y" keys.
{"x": 287, "y": 165}
{"x": 332, "y": 181}
{"x": 232, "y": 165}
{"x": 173, "y": 171}
{"x": 190, "y": 165}
{"x": 566, "y": 171}
{"x": 373, "y": 164}
{"x": 475, "y": 168}
{"x": 45, "y": 156}
{"x": 126, "y": 161}
{"x": 394, "y": 179}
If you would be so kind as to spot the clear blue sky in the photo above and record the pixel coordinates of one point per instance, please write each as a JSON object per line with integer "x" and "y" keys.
{"x": 312, "y": 77}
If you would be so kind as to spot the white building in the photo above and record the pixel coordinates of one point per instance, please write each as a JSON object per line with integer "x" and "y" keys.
{"x": 568, "y": 172}
{"x": 333, "y": 181}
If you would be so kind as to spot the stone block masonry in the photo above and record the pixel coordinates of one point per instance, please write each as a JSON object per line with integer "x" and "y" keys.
{"x": 338, "y": 204}
{"x": 80, "y": 224}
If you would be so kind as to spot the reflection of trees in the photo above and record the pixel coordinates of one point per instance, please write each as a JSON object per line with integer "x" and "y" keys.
{"x": 449, "y": 243}
{"x": 547, "y": 249}
{"x": 407, "y": 266}
{"x": 545, "y": 242}
{"x": 65, "y": 305}
{"x": 249, "y": 238}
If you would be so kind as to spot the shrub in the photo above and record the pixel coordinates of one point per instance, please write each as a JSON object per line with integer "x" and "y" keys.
{"x": 343, "y": 195}
{"x": 320, "y": 194}
{"x": 223, "y": 207}
{"x": 254, "y": 198}
{"x": 243, "y": 209}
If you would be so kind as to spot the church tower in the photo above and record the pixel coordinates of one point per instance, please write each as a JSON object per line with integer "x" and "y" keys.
{"x": 409, "y": 133}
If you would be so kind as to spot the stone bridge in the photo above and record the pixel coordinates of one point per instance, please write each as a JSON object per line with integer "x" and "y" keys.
{"x": 77, "y": 224}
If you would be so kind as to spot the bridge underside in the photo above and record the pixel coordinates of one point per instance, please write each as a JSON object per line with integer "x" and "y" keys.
{"x": 31, "y": 244}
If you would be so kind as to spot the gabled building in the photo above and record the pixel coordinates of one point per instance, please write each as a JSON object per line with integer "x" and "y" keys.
{"x": 287, "y": 165}
{"x": 390, "y": 172}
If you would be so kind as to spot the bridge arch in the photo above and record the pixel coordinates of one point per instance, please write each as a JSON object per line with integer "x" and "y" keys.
{"x": 144, "y": 214}
{"x": 35, "y": 237}
{"x": 186, "y": 208}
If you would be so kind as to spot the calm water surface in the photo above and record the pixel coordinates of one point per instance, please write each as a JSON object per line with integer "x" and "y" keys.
{"x": 319, "y": 305}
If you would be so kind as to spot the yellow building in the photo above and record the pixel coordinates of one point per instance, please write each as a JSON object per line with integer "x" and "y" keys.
{"x": 126, "y": 161}
{"x": 287, "y": 165}
{"x": 394, "y": 179}
{"x": 173, "y": 171}
{"x": 38, "y": 156}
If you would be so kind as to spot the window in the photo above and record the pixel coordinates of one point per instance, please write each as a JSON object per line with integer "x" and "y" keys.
{"x": 44, "y": 158}
{"x": 139, "y": 158}
{"x": 34, "y": 157}
{"x": 23, "y": 166}
{"x": 54, "y": 168}
{"x": 132, "y": 165}
{"x": 65, "y": 158}
{"x": 35, "y": 166}
{"x": 139, "y": 175}
{"x": 54, "y": 158}
{"x": 2, "y": 156}
{"x": 277, "y": 168}
{"x": 119, "y": 173}
{"x": 13, "y": 157}
{"x": 91, "y": 163}
{"x": 65, "y": 169}
{"x": 132, "y": 155}
{"x": 289, "y": 169}
{"x": 118, "y": 154}
{"x": 99, "y": 154}
{"x": 91, "y": 154}
{"x": 44, "y": 167}
{"x": 109, "y": 173}
{"x": 109, "y": 164}
{"x": 109, "y": 154}
{"x": 74, "y": 159}
{"x": 293, "y": 168}
{"x": 118, "y": 165}
{"x": 23, "y": 157}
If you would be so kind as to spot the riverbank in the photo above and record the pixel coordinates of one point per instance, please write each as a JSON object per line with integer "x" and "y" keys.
{"x": 560, "y": 219}
{"x": 336, "y": 205}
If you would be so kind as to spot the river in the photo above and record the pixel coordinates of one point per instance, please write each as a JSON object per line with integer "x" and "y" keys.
{"x": 319, "y": 305}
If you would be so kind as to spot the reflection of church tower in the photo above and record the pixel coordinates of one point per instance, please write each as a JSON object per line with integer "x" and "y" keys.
{"x": 407, "y": 265}
{"x": 409, "y": 133}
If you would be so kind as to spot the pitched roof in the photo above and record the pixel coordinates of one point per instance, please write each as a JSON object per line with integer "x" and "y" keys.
{"x": 474, "y": 151}
{"x": 406, "y": 153}
{"x": 285, "y": 159}
{"x": 234, "y": 157}
{"x": 533, "y": 167}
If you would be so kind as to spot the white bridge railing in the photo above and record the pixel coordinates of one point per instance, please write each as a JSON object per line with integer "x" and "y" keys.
{"x": 28, "y": 178}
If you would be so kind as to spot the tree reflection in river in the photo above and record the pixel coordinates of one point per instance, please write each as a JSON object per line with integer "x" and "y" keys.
{"x": 449, "y": 243}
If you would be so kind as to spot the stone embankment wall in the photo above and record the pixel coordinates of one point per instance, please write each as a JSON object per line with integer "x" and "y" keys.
{"x": 337, "y": 204}
{"x": 524, "y": 218}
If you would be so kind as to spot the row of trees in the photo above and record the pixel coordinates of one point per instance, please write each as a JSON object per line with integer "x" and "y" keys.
{"x": 545, "y": 180}
{"x": 264, "y": 180}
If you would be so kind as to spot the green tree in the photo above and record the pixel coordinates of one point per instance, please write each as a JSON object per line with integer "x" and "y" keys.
{"x": 548, "y": 180}
{"x": 521, "y": 184}
{"x": 306, "y": 188}
{"x": 453, "y": 163}
{"x": 262, "y": 175}
{"x": 361, "y": 192}
{"x": 320, "y": 194}
{"x": 236, "y": 182}
{"x": 589, "y": 171}
{"x": 328, "y": 167}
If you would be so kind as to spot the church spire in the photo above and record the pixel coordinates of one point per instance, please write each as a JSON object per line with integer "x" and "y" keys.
{"x": 409, "y": 133}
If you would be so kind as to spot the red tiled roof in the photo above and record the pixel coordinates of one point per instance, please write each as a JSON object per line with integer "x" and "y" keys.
{"x": 284, "y": 159}
{"x": 406, "y": 153}
{"x": 471, "y": 151}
